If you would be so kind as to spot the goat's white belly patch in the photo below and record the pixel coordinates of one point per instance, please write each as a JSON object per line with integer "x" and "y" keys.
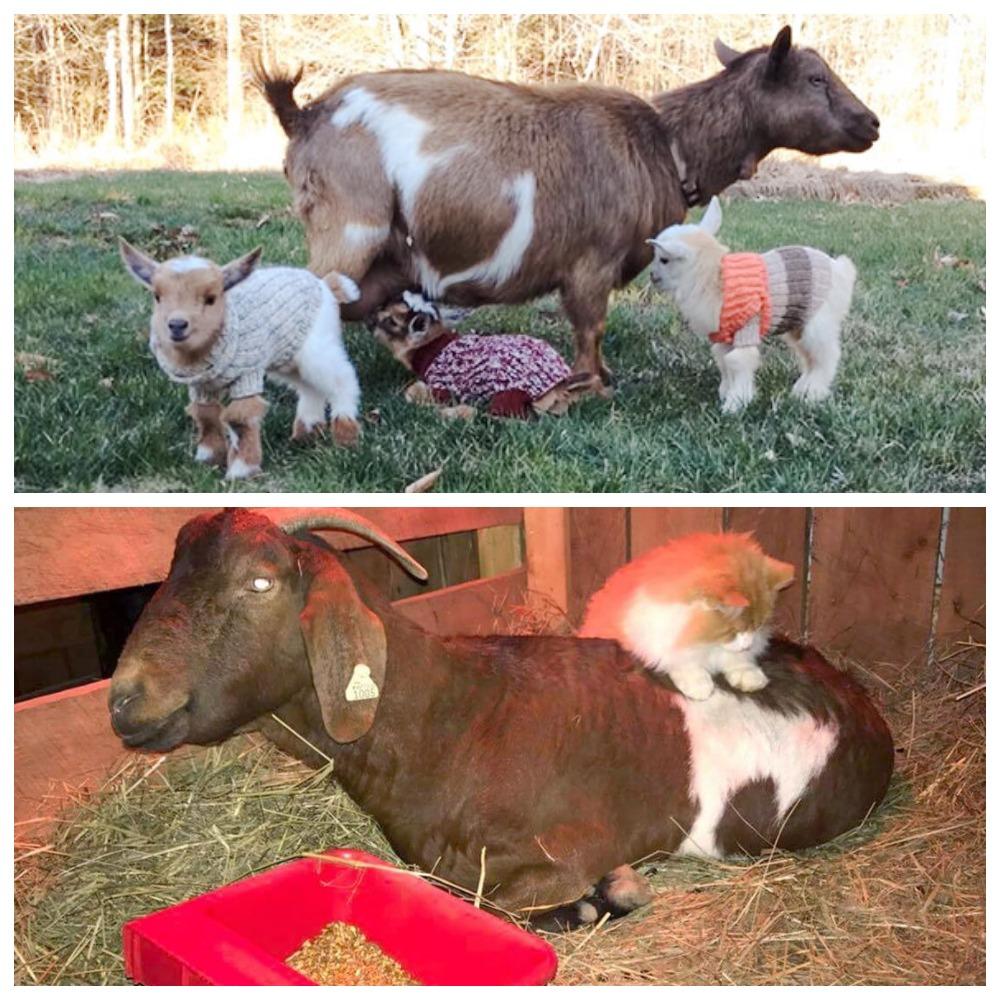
{"x": 735, "y": 741}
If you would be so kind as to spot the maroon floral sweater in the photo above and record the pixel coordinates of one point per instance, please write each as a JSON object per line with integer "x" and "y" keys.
{"x": 508, "y": 371}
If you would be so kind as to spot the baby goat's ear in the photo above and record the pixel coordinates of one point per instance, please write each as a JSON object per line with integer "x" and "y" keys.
{"x": 711, "y": 221}
{"x": 236, "y": 270}
{"x": 137, "y": 263}
{"x": 671, "y": 246}
{"x": 346, "y": 646}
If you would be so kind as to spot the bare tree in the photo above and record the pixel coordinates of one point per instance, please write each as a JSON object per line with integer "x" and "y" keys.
{"x": 168, "y": 86}
{"x": 128, "y": 87}
{"x": 234, "y": 75}
{"x": 111, "y": 70}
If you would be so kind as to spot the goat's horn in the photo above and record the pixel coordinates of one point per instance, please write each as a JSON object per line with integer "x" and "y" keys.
{"x": 361, "y": 526}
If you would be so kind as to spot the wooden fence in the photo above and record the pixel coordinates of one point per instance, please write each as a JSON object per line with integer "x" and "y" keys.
{"x": 884, "y": 587}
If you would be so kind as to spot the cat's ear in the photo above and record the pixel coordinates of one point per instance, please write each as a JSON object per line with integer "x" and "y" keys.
{"x": 734, "y": 599}
{"x": 779, "y": 574}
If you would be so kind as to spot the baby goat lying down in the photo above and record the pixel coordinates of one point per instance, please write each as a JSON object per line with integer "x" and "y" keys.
{"x": 517, "y": 376}
{"x": 220, "y": 330}
{"x": 544, "y": 765}
{"x": 736, "y": 299}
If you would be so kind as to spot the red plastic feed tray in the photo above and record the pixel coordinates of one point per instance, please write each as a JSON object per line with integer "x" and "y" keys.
{"x": 239, "y": 935}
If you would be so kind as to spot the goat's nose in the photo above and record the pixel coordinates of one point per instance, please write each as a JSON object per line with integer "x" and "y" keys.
{"x": 119, "y": 702}
{"x": 178, "y": 328}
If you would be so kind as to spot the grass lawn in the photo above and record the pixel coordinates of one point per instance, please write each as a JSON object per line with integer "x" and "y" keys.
{"x": 908, "y": 414}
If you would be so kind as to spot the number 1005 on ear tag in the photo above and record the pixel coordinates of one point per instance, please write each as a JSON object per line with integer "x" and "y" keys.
{"x": 361, "y": 687}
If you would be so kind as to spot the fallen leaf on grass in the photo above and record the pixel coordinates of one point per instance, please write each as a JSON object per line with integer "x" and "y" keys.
{"x": 36, "y": 367}
{"x": 955, "y": 316}
{"x": 263, "y": 221}
{"x": 106, "y": 383}
{"x": 424, "y": 483}
{"x": 951, "y": 260}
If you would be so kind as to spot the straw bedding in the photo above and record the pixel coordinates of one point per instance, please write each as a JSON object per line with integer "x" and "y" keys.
{"x": 899, "y": 901}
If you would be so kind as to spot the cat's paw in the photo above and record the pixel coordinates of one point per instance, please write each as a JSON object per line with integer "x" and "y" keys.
{"x": 695, "y": 684}
{"x": 747, "y": 678}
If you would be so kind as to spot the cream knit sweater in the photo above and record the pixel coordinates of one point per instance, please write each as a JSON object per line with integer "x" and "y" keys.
{"x": 268, "y": 317}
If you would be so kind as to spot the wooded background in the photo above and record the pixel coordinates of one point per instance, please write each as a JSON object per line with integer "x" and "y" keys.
{"x": 174, "y": 89}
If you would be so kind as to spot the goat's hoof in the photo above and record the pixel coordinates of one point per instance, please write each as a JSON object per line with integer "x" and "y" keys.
{"x": 238, "y": 469}
{"x": 301, "y": 431}
{"x": 461, "y": 412}
{"x": 418, "y": 392}
{"x": 734, "y": 404}
{"x": 346, "y": 431}
{"x": 810, "y": 392}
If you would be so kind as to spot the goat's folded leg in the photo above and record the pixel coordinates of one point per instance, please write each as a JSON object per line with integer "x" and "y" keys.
{"x": 211, "y": 445}
{"x": 620, "y": 892}
{"x": 242, "y": 419}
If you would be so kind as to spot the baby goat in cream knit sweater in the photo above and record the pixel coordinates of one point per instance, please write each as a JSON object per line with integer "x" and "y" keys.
{"x": 220, "y": 330}
{"x": 735, "y": 299}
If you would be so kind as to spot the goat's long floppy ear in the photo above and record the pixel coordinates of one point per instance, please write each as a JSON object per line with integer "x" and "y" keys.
{"x": 724, "y": 53}
{"x": 346, "y": 646}
{"x": 779, "y": 50}
{"x": 711, "y": 221}
{"x": 137, "y": 263}
{"x": 236, "y": 270}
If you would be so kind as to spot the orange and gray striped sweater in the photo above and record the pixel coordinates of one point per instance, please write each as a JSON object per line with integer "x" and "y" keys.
{"x": 782, "y": 289}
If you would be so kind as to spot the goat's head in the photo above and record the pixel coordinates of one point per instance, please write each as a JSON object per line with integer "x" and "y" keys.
{"x": 249, "y": 617}
{"x": 688, "y": 252}
{"x": 406, "y": 325}
{"x": 188, "y": 297}
{"x": 797, "y": 101}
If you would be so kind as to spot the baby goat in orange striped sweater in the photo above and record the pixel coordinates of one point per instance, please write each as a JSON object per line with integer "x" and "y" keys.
{"x": 735, "y": 299}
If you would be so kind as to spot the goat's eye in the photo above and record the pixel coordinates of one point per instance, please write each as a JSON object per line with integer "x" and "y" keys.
{"x": 664, "y": 260}
{"x": 261, "y": 584}
{"x": 156, "y": 296}
{"x": 209, "y": 300}
{"x": 818, "y": 81}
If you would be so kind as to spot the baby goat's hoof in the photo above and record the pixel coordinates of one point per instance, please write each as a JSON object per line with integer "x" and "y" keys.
{"x": 420, "y": 393}
{"x": 346, "y": 431}
{"x": 809, "y": 391}
{"x": 302, "y": 431}
{"x": 461, "y": 412}
{"x": 238, "y": 469}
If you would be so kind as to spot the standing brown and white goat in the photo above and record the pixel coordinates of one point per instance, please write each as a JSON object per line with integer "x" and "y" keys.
{"x": 220, "y": 330}
{"x": 561, "y": 758}
{"x": 486, "y": 192}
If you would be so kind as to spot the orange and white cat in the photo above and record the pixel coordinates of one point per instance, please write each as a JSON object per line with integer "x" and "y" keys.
{"x": 693, "y": 608}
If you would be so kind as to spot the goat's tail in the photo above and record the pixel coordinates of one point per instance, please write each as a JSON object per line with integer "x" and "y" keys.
{"x": 278, "y": 87}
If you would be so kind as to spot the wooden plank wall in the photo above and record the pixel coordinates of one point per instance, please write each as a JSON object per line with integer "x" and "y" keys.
{"x": 868, "y": 583}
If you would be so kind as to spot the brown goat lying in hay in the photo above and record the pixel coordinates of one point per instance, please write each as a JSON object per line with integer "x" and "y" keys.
{"x": 574, "y": 763}
{"x": 486, "y": 192}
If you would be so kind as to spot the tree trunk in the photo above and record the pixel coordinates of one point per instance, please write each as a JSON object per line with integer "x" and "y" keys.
{"x": 111, "y": 69}
{"x": 168, "y": 102}
{"x": 128, "y": 89}
{"x": 234, "y": 75}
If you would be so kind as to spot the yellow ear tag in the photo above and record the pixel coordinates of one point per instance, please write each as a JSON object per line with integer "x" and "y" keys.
{"x": 361, "y": 686}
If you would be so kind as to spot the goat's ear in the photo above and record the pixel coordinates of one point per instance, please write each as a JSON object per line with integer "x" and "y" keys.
{"x": 780, "y": 574}
{"x": 780, "y": 48}
{"x": 137, "y": 263}
{"x": 236, "y": 270}
{"x": 724, "y": 53}
{"x": 345, "y": 643}
{"x": 420, "y": 323}
{"x": 671, "y": 246}
{"x": 711, "y": 221}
